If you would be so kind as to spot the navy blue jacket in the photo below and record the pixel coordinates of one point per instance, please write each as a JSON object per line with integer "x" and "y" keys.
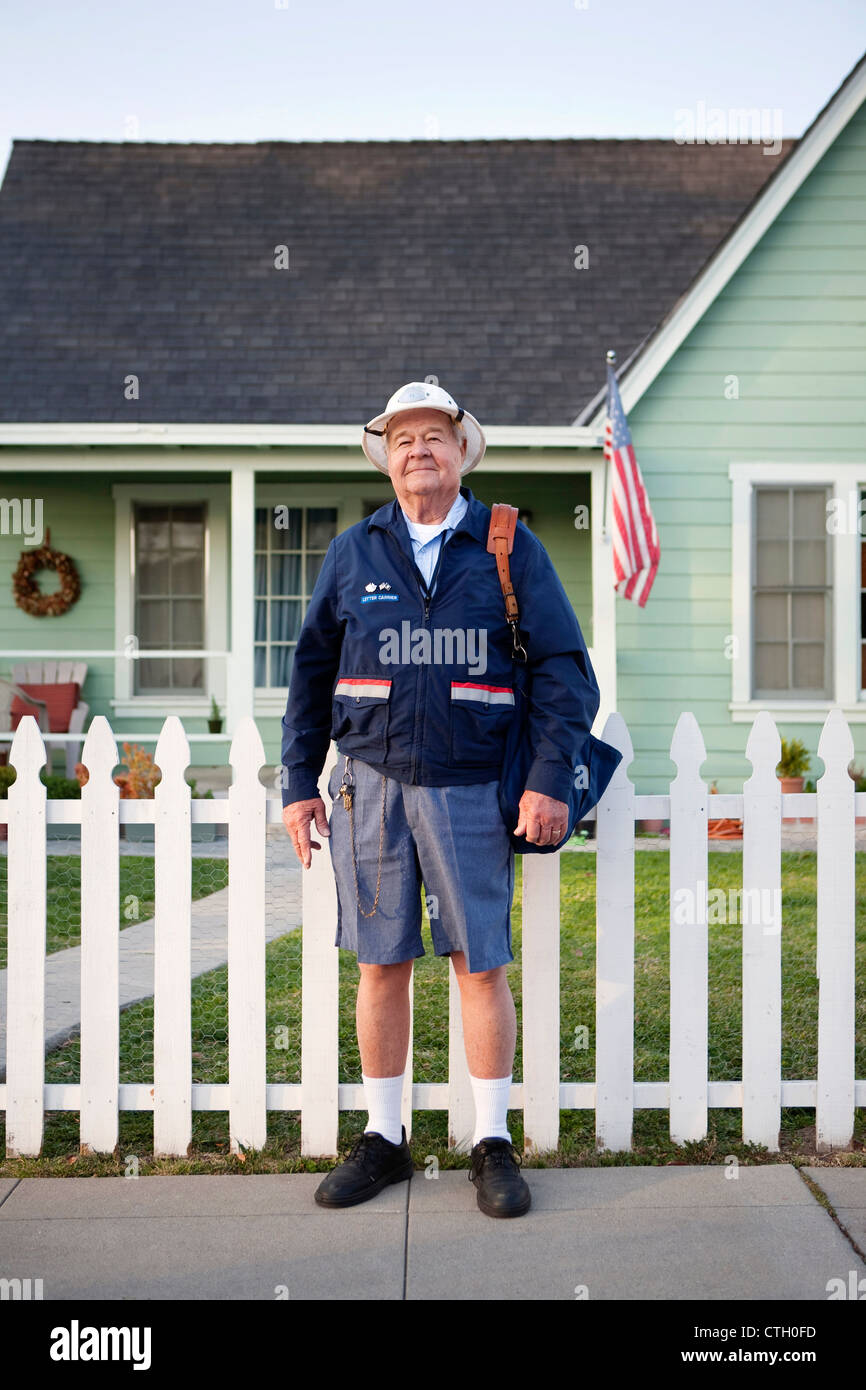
{"x": 418, "y": 683}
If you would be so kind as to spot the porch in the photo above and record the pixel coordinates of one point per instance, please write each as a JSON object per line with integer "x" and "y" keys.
{"x": 256, "y": 579}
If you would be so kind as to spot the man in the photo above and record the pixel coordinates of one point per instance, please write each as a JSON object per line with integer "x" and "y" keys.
{"x": 405, "y": 658}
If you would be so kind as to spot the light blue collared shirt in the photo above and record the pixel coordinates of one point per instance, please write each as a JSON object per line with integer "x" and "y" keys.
{"x": 427, "y": 540}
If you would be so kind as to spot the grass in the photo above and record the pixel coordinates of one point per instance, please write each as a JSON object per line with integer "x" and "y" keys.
{"x": 63, "y": 890}
{"x": 651, "y": 1140}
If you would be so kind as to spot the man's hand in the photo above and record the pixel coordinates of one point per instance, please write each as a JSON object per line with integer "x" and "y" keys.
{"x": 543, "y": 820}
{"x": 296, "y": 819}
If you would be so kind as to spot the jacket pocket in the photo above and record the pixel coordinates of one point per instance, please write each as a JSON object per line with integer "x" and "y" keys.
{"x": 360, "y": 709}
{"x": 480, "y": 719}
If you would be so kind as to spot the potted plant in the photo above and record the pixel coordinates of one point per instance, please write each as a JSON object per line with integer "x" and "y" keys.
{"x": 215, "y": 721}
{"x": 791, "y": 770}
{"x": 724, "y": 827}
{"x": 652, "y": 827}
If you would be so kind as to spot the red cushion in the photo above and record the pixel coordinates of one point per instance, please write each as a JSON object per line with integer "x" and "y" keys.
{"x": 60, "y": 699}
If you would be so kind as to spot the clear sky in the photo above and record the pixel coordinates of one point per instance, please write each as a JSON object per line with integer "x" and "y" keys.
{"x": 245, "y": 70}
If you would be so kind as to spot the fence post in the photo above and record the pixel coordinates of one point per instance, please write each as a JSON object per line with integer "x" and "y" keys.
{"x": 688, "y": 1085}
{"x": 320, "y": 995}
{"x": 100, "y": 950}
{"x": 762, "y": 938}
{"x": 834, "y": 1111}
{"x": 406, "y": 1108}
{"x": 172, "y": 965}
{"x": 461, "y": 1105}
{"x": 25, "y": 978}
{"x": 614, "y": 987}
{"x": 246, "y": 942}
{"x": 540, "y": 973}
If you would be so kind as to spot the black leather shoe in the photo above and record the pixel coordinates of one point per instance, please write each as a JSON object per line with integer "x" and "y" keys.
{"x": 372, "y": 1164}
{"x": 495, "y": 1171}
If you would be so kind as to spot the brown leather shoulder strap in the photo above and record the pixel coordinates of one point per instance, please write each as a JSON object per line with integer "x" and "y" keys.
{"x": 500, "y": 542}
{"x": 503, "y": 523}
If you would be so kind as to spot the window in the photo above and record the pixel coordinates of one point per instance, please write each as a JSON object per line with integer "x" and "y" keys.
{"x": 169, "y": 568}
{"x": 290, "y": 546}
{"x": 791, "y": 592}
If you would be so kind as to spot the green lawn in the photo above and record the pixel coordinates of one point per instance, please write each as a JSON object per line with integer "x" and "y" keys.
{"x": 651, "y": 1141}
{"x": 63, "y": 895}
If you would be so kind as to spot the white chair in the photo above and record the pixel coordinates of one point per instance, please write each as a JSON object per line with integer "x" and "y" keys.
{"x": 8, "y": 692}
{"x": 57, "y": 673}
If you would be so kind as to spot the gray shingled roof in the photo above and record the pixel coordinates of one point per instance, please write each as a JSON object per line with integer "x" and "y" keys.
{"x": 446, "y": 257}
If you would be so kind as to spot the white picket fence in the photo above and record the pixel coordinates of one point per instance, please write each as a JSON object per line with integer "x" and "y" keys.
{"x": 614, "y": 1095}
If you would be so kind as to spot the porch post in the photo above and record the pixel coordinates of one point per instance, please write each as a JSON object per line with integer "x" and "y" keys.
{"x": 240, "y": 695}
{"x": 603, "y": 598}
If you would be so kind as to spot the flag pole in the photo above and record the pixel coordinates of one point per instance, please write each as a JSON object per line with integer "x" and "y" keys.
{"x": 610, "y": 358}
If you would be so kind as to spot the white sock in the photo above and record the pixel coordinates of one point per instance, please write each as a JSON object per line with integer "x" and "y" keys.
{"x": 384, "y": 1097}
{"x": 491, "y": 1107}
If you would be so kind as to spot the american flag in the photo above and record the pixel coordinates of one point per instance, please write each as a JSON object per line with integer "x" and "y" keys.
{"x": 635, "y": 539}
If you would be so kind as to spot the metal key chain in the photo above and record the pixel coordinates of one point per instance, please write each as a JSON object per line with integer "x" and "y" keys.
{"x": 347, "y": 791}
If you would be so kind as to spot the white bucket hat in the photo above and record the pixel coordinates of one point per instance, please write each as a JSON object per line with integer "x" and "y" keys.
{"x": 418, "y": 395}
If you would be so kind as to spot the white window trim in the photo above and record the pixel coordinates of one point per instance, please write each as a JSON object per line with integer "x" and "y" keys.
{"x": 842, "y": 480}
{"x": 347, "y": 498}
{"x": 216, "y": 495}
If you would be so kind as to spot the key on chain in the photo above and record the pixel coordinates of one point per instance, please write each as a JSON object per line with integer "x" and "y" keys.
{"x": 346, "y": 790}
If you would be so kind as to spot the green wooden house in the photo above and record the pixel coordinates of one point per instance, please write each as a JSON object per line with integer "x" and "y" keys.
{"x": 192, "y": 336}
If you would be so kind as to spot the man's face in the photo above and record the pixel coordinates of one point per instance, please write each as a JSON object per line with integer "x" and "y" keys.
{"x": 424, "y": 458}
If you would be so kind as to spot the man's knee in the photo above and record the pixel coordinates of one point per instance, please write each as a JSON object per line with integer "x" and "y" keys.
{"x": 386, "y": 976}
{"x": 480, "y": 979}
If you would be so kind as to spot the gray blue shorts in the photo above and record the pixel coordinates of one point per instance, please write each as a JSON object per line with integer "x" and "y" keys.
{"x": 451, "y": 839}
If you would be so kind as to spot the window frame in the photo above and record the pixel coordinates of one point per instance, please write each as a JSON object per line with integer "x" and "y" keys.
{"x": 841, "y": 480}
{"x": 215, "y": 497}
{"x": 138, "y": 599}
{"x": 349, "y": 499}
{"x": 789, "y": 591}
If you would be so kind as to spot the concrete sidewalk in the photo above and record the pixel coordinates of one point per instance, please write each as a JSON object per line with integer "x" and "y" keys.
{"x": 673, "y": 1233}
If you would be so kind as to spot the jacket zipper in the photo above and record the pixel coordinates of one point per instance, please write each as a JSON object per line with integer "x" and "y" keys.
{"x": 417, "y": 580}
{"x": 421, "y": 691}
{"x": 435, "y": 580}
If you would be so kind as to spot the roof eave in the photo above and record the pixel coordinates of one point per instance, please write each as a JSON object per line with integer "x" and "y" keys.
{"x": 663, "y": 342}
{"x": 102, "y": 434}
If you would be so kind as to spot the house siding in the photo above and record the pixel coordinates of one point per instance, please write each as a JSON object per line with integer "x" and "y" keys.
{"x": 791, "y": 326}
{"x": 81, "y": 517}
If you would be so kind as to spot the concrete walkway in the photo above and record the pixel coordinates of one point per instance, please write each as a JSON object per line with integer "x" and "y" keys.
{"x": 135, "y": 943}
{"x": 673, "y": 1233}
